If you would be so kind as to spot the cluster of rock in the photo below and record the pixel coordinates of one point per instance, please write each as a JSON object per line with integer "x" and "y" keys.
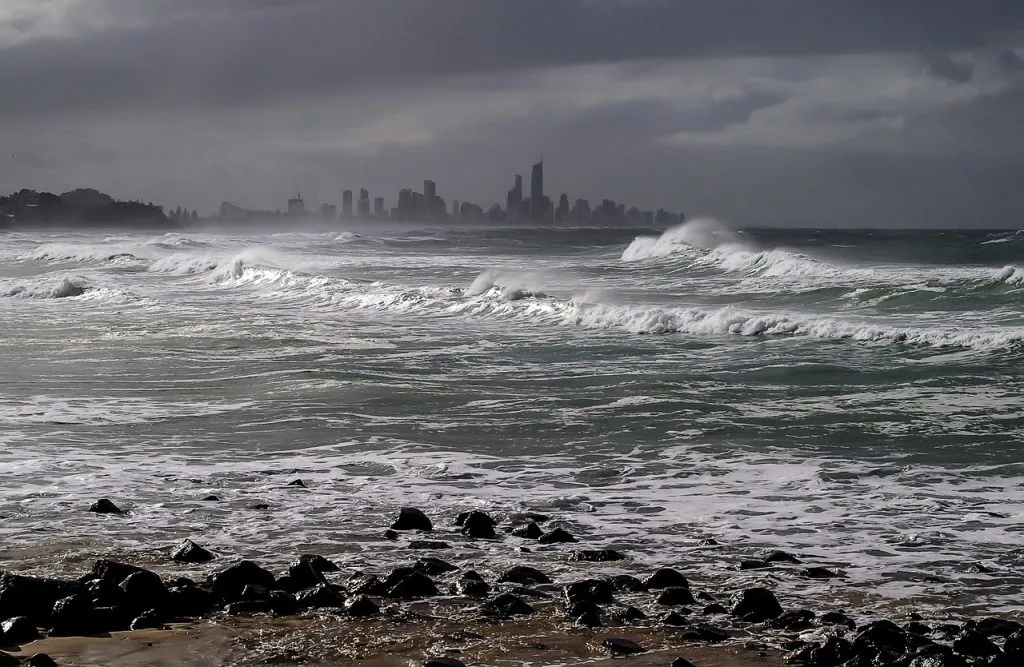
{"x": 116, "y": 596}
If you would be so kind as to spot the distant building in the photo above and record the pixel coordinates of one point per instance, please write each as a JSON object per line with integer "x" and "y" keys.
{"x": 562, "y": 212}
{"x": 537, "y": 207}
{"x": 580, "y": 211}
{"x": 455, "y": 208}
{"x": 364, "y": 203}
{"x": 346, "y": 203}
{"x": 296, "y": 206}
{"x": 378, "y": 208}
{"x": 406, "y": 205}
{"x": 514, "y": 200}
{"x": 328, "y": 211}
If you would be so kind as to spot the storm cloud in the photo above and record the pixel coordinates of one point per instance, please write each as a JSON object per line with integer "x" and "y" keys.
{"x": 819, "y": 112}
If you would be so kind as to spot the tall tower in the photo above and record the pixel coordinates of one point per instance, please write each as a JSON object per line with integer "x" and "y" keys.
{"x": 537, "y": 186}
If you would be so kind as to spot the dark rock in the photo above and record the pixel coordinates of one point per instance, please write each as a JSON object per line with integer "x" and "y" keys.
{"x": 627, "y": 584}
{"x": 248, "y": 608}
{"x": 975, "y": 645}
{"x": 471, "y": 588}
{"x": 259, "y": 506}
{"x": 361, "y": 607}
{"x": 410, "y": 518}
{"x": 506, "y": 605}
{"x": 283, "y": 603}
{"x": 918, "y": 628}
{"x": 673, "y": 596}
{"x": 556, "y": 536}
{"x": 833, "y": 651}
{"x": 525, "y": 591}
{"x": 443, "y": 662}
{"x": 143, "y": 590}
{"x": 577, "y": 609}
{"x": 190, "y": 552}
{"x": 752, "y": 565}
{"x": 104, "y": 506}
{"x": 255, "y": 593}
{"x": 674, "y": 619}
{"x": 588, "y": 620}
{"x": 363, "y": 585}
{"x": 41, "y": 660}
{"x": 998, "y": 627}
{"x": 33, "y": 596}
{"x": 978, "y": 568}
{"x": 818, "y": 573}
{"x": 530, "y": 531}
{"x": 781, "y": 557}
{"x": 596, "y": 556}
{"x": 882, "y": 635}
{"x": 837, "y": 618}
{"x": 666, "y": 577}
{"x": 708, "y": 542}
{"x": 756, "y": 605}
{"x": 1014, "y": 645}
{"x": 406, "y": 583}
{"x": 189, "y": 600}
{"x": 151, "y": 619}
{"x": 8, "y": 660}
{"x": 319, "y": 563}
{"x": 795, "y": 621}
{"x": 630, "y": 614}
{"x": 478, "y": 525}
{"x": 297, "y": 482}
{"x": 72, "y": 617}
{"x": 598, "y": 591}
{"x": 18, "y": 630}
{"x": 704, "y": 633}
{"x": 714, "y": 608}
{"x": 704, "y": 596}
{"x": 426, "y": 545}
{"x": 524, "y": 575}
{"x": 211, "y": 499}
{"x": 320, "y": 597}
{"x": 530, "y": 517}
{"x": 433, "y": 566}
{"x": 111, "y": 619}
{"x": 682, "y": 662}
{"x": 229, "y": 582}
{"x": 302, "y": 575}
{"x": 112, "y": 571}
{"x": 460, "y": 518}
{"x": 623, "y": 647}
{"x": 390, "y": 535}
{"x": 104, "y": 593}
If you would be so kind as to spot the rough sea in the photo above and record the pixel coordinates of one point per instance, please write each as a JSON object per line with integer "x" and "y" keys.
{"x": 852, "y": 397}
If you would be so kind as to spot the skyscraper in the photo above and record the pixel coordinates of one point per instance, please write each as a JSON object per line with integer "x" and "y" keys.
{"x": 537, "y": 186}
{"x": 346, "y": 203}
{"x": 364, "y": 203}
{"x": 514, "y": 200}
{"x": 378, "y": 208}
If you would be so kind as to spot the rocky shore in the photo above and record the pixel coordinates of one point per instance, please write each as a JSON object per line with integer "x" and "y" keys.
{"x": 437, "y": 613}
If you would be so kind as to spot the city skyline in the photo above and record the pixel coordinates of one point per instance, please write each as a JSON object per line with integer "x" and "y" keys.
{"x": 428, "y": 205}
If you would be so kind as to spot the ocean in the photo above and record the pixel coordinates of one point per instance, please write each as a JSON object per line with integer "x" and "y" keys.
{"x": 852, "y": 397}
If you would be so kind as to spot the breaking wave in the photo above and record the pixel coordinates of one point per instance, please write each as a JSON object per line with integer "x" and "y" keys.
{"x": 73, "y": 252}
{"x": 45, "y": 288}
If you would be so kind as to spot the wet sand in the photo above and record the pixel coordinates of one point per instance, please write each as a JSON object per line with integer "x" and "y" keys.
{"x": 326, "y": 641}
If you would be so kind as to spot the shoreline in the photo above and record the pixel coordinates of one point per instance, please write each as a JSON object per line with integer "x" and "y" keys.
{"x": 318, "y": 613}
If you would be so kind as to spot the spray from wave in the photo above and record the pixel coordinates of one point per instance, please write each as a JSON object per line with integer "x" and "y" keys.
{"x": 46, "y": 288}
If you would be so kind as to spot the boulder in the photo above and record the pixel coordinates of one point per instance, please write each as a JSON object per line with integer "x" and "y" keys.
{"x": 713, "y": 609}
{"x": 320, "y": 597}
{"x": 41, "y": 660}
{"x": 836, "y": 618}
{"x": 975, "y": 645}
{"x": 8, "y": 660}
{"x": 471, "y": 588}
{"x": 147, "y": 620}
{"x": 111, "y": 619}
{"x": 674, "y": 596}
{"x": 112, "y": 571}
{"x": 596, "y": 556}
{"x": 72, "y": 617}
{"x": 682, "y": 662}
{"x": 210, "y": 499}
{"x": 752, "y": 565}
{"x": 297, "y": 483}
{"x": 506, "y": 605}
{"x": 188, "y": 601}
{"x": 598, "y": 591}
{"x": 795, "y": 621}
{"x": 756, "y": 605}
{"x": 302, "y": 575}
{"x": 143, "y": 591}
{"x": 319, "y": 563}
{"x": 674, "y": 619}
{"x": 361, "y": 607}
{"x": 589, "y": 619}
{"x": 443, "y": 662}
{"x": 884, "y": 635}
{"x": 666, "y": 577}
{"x": 283, "y": 603}
{"x": 630, "y": 614}
{"x": 781, "y": 557}
{"x": 433, "y": 566}
{"x": 228, "y": 583}
{"x": 410, "y": 518}
{"x": 478, "y": 525}
{"x": 18, "y": 630}
{"x": 104, "y": 506}
{"x": 617, "y": 646}
{"x": 529, "y": 531}
{"x": 818, "y": 573}
{"x": 248, "y": 608}
{"x": 556, "y": 536}
{"x": 190, "y": 552}
{"x": 627, "y": 584}
{"x": 522, "y": 574}
{"x": 427, "y": 545}
{"x": 33, "y": 596}
{"x": 406, "y": 583}
{"x": 703, "y": 632}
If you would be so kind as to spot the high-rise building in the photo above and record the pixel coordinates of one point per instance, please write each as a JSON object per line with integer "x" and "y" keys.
{"x": 378, "y": 208}
{"x": 562, "y": 212}
{"x": 455, "y": 208}
{"x": 429, "y": 190}
{"x": 514, "y": 200}
{"x": 364, "y": 203}
{"x": 537, "y": 187}
{"x": 328, "y": 211}
{"x": 580, "y": 211}
{"x": 346, "y": 203}
{"x": 296, "y": 207}
{"x": 406, "y": 205}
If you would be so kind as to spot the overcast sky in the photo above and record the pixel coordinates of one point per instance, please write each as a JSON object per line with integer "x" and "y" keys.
{"x": 803, "y": 112}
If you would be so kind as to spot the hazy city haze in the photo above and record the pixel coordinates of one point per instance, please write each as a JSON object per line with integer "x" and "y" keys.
{"x": 804, "y": 112}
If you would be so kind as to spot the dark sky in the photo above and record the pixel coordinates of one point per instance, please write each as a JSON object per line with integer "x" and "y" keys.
{"x": 804, "y": 112}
